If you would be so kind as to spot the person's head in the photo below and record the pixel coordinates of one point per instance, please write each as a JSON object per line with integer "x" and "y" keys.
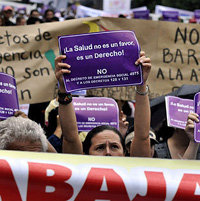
{"x": 121, "y": 16}
{"x": 129, "y": 137}
{"x": 7, "y": 12}
{"x": 52, "y": 122}
{"x": 70, "y": 17}
{"x": 34, "y": 13}
{"x": 49, "y": 13}
{"x": 163, "y": 131}
{"x": 104, "y": 141}
{"x": 53, "y": 19}
{"x": 20, "y": 21}
{"x": 22, "y": 134}
{"x": 34, "y": 20}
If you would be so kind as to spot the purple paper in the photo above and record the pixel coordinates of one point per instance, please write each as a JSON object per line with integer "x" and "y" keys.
{"x": 177, "y": 111}
{"x": 142, "y": 14}
{"x": 8, "y": 96}
{"x": 197, "y": 110}
{"x": 93, "y": 112}
{"x": 171, "y": 16}
{"x": 103, "y": 59}
{"x": 197, "y": 14}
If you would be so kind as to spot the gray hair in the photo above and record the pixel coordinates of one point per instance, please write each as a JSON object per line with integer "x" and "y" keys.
{"x": 19, "y": 129}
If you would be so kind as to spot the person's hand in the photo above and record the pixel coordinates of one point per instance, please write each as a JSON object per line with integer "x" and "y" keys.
{"x": 189, "y": 129}
{"x": 60, "y": 69}
{"x": 146, "y": 65}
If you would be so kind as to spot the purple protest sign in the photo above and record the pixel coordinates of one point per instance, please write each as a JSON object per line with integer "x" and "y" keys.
{"x": 197, "y": 15}
{"x": 93, "y": 112}
{"x": 197, "y": 110}
{"x": 103, "y": 59}
{"x": 142, "y": 14}
{"x": 177, "y": 110}
{"x": 170, "y": 16}
{"x": 8, "y": 96}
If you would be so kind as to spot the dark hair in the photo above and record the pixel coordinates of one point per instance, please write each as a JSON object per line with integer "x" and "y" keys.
{"x": 34, "y": 10}
{"x": 46, "y": 11}
{"x": 163, "y": 131}
{"x": 121, "y": 16}
{"x": 18, "y": 19}
{"x": 95, "y": 131}
{"x": 52, "y": 122}
{"x": 33, "y": 20}
{"x": 53, "y": 19}
{"x": 70, "y": 17}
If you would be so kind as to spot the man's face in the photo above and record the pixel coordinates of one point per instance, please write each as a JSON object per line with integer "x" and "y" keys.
{"x": 8, "y": 13}
{"x": 35, "y": 14}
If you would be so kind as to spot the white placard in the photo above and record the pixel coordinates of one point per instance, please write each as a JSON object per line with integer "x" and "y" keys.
{"x": 116, "y": 6}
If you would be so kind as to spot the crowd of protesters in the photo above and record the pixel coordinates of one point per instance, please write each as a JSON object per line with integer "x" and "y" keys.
{"x": 137, "y": 140}
{"x": 11, "y": 17}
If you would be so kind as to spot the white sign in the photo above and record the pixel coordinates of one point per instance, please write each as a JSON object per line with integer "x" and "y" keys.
{"x": 24, "y": 108}
{"x": 116, "y": 6}
{"x": 83, "y": 11}
{"x": 159, "y": 9}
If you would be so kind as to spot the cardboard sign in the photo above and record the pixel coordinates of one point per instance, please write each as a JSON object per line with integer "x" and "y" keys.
{"x": 8, "y": 96}
{"x": 170, "y": 16}
{"x": 29, "y": 53}
{"x": 177, "y": 110}
{"x": 102, "y": 59}
{"x": 93, "y": 112}
{"x": 197, "y": 110}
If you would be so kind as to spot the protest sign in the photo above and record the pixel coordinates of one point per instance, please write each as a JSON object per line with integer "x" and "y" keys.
{"x": 197, "y": 110}
{"x": 8, "y": 96}
{"x": 172, "y": 16}
{"x": 28, "y": 53}
{"x": 24, "y": 108}
{"x": 83, "y": 11}
{"x": 43, "y": 176}
{"x": 102, "y": 59}
{"x": 93, "y": 112}
{"x": 177, "y": 110}
{"x": 197, "y": 15}
{"x": 159, "y": 9}
{"x": 116, "y": 6}
{"x": 143, "y": 14}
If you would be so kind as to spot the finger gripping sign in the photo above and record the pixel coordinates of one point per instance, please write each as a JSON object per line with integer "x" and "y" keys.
{"x": 197, "y": 110}
{"x": 93, "y": 112}
{"x": 177, "y": 110}
{"x": 8, "y": 96}
{"x": 103, "y": 59}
